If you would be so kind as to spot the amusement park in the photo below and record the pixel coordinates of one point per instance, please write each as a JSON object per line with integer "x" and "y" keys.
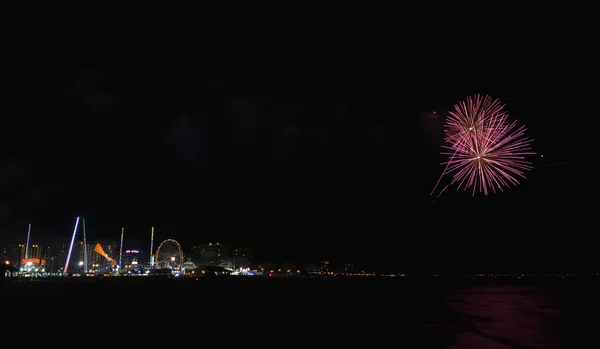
{"x": 79, "y": 258}
{"x": 166, "y": 260}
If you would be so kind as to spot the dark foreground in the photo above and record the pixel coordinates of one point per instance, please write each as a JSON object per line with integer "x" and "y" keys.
{"x": 246, "y": 311}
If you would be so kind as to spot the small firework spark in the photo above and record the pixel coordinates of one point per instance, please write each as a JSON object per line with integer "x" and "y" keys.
{"x": 487, "y": 152}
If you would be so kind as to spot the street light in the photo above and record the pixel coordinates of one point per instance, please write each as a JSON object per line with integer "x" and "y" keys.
{"x": 7, "y": 262}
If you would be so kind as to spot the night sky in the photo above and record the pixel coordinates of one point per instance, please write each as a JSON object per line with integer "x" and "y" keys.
{"x": 303, "y": 156}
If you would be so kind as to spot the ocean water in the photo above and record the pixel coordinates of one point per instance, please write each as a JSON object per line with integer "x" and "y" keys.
{"x": 507, "y": 316}
{"x": 251, "y": 311}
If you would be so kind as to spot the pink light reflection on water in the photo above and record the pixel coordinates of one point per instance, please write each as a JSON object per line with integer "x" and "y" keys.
{"x": 507, "y": 317}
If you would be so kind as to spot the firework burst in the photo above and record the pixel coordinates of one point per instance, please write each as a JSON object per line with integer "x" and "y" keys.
{"x": 487, "y": 152}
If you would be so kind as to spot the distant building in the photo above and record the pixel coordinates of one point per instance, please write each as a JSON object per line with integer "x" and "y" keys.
{"x": 287, "y": 268}
{"x": 93, "y": 258}
{"x": 189, "y": 265}
{"x": 234, "y": 263}
{"x": 131, "y": 259}
{"x": 346, "y": 268}
{"x": 58, "y": 257}
{"x": 264, "y": 268}
{"x": 211, "y": 254}
{"x": 36, "y": 255}
{"x": 207, "y": 271}
{"x": 245, "y": 252}
{"x": 34, "y": 251}
{"x": 12, "y": 254}
{"x": 321, "y": 268}
{"x": 111, "y": 248}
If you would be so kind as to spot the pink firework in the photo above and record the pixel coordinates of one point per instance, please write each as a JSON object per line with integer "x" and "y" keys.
{"x": 486, "y": 151}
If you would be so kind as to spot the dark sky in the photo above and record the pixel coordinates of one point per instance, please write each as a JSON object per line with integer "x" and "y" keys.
{"x": 323, "y": 154}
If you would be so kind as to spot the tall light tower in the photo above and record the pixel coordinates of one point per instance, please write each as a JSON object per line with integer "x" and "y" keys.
{"x": 71, "y": 246}
{"x": 121, "y": 249}
{"x": 85, "y": 256}
{"x": 27, "y": 243}
{"x": 152, "y": 248}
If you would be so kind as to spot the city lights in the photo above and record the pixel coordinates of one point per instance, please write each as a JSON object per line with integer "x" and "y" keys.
{"x": 168, "y": 261}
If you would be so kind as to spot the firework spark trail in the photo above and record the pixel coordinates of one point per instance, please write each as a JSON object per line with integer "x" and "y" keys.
{"x": 443, "y": 173}
{"x": 440, "y": 194}
{"x": 487, "y": 152}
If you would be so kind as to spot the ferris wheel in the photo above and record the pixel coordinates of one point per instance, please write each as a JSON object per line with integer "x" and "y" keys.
{"x": 169, "y": 255}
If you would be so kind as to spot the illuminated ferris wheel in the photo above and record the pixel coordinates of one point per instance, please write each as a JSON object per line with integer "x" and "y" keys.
{"x": 169, "y": 255}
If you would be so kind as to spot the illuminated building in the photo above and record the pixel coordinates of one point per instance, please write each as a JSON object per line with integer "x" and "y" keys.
{"x": 57, "y": 257}
{"x": 210, "y": 254}
{"x": 35, "y": 261}
{"x": 322, "y": 268}
{"x": 93, "y": 257}
{"x": 11, "y": 253}
{"x": 207, "y": 271}
{"x": 234, "y": 263}
{"x": 312, "y": 269}
{"x": 34, "y": 251}
{"x": 245, "y": 252}
{"x": 32, "y": 256}
{"x": 131, "y": 259}
{"x": 111, "y": 248}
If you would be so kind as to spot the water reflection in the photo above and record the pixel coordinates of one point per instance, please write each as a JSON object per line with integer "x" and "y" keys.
{"x": 505, "y": 317}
